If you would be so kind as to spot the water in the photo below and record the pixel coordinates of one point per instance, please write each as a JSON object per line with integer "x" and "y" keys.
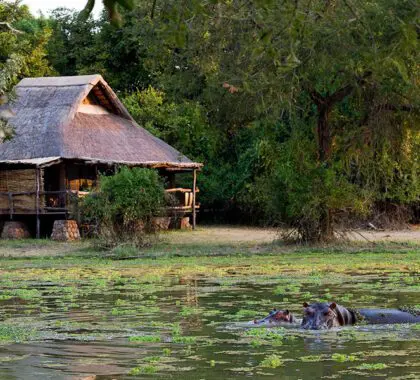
{"x": 109, "y": 326}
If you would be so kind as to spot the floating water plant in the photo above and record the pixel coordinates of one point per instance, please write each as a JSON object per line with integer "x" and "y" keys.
{"x": 372, "y": 367}
{"x": 311, "y": 358}
{"x": 146, "y": 369}
{"x": 184, "y": 339}
{"x": 17, "y": 334}
{"x": 341, "y": 358}
{"x": 145, "y": 339}
{"x": 271, "y": 361}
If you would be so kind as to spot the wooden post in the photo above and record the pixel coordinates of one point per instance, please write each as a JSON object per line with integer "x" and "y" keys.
{"x": 194, "y": 216}
{"x": 10, "y": 197}
{"x": 38, "y": 220}
{"x": 62, "y": 197}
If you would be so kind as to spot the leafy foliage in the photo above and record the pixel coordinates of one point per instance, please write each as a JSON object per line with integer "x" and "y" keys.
{"x": 23, "y": 53}
{"x": 301, "y": 111}
{"x": 124, "y": 205}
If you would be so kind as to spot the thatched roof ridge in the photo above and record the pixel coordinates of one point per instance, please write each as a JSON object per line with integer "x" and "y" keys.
{"x": 78, "y": 80}
{"x": 49, "y": 123}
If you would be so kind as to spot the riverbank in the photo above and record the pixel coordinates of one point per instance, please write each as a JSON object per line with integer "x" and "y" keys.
{"x": 214, "y": 241}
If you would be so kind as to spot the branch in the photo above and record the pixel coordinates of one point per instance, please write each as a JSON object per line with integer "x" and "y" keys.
{"x": 395, "y": 107}
{"x": 152, "y": 11}
{"x": 339, "y": 95}
{"x": 316, "y": 97}
{"x": 10, "y": 27}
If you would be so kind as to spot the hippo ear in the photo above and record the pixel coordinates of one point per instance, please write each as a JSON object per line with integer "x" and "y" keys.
{"x": 340, "y": 317}
{"x": 305, "y": 304}
{"x": 286, "y": 312}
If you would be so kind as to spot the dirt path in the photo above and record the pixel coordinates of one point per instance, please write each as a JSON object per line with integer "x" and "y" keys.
{"x": 411, "y": 235}
{"x": 223, "y": 235}
{"x": 252, "y": 235}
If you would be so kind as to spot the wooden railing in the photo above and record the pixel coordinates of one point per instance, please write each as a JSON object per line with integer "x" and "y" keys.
{"x": 65, "y": 201}
{"x": 185, "y": 198}
{"x": 43, "y": 202}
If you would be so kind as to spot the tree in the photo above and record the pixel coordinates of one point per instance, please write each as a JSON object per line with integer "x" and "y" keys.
{"x": 314, "y": 103}
{"x": 22, "y": 52}
{"x": 340, "y": 67}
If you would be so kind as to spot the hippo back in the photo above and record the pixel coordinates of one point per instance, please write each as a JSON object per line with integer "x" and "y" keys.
{"x": 388, "y": 316}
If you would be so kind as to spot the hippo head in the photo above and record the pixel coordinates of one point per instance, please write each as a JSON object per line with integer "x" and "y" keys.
{"x": 319, "y": 316}
{"x": 276, "y": 317}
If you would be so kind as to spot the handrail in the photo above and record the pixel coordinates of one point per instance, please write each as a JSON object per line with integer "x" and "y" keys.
{"x": 181, "y": 190}
{"x": 34, "y": 192}
{"x": 59, "y": 200}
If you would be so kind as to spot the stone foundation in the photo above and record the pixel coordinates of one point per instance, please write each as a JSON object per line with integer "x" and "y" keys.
{"x": 185, "y": 223}
{"x": 161, "y": 223}
{"x": 15, "y": 230}
{"x": 65, "y": 230}
{"x": 180, "y": 223}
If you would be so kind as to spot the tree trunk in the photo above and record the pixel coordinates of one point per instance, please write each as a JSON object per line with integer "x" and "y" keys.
{"x": 324, "y": 133}
{"x": 326, "y": 232}
{"x": 325, "y": 105}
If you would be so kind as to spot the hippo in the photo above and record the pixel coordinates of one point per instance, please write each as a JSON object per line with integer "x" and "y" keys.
{"x": 320, "y": 315}
{"x": 276, "y": 317}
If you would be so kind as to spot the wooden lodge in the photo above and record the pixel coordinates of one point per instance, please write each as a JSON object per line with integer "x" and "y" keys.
{"x": 67, "y": 130}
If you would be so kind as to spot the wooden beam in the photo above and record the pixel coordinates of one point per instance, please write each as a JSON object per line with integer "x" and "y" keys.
{"x": 194, "y": 213}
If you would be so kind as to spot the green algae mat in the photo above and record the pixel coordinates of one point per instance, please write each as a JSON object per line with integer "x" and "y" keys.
{"x": 184, "y": 317}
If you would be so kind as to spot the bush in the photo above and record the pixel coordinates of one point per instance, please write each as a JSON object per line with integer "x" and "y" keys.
{"x": 123, "y": 207}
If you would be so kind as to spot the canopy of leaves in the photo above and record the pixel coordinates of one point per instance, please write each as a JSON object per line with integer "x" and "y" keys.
{"x": 298, "y": 109}
{"x": 23, "y": 53}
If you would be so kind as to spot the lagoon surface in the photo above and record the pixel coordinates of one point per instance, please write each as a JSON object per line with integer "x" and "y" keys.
{"x": 185, "y": 318}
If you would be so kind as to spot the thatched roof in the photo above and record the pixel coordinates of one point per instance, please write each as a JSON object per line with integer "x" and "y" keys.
{"x": 81, "y": 118}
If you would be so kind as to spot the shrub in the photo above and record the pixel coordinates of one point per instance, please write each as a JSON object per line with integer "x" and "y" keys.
{"x": 122, "y": 208}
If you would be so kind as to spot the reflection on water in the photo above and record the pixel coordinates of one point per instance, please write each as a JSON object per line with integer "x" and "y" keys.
{"x": 193, "y": 329}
